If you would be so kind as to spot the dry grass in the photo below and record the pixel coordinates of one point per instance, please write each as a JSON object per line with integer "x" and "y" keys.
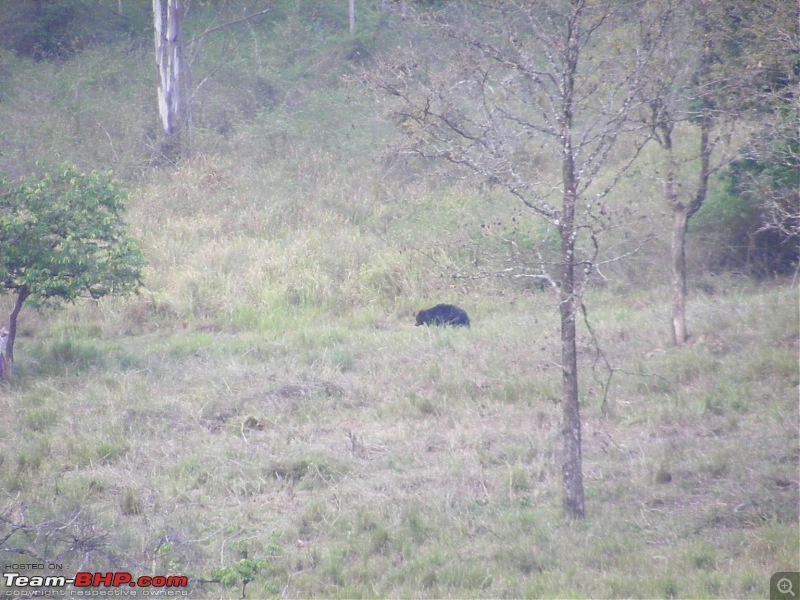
{"x": 266, "y": 403}
{"x": 359, "y": 455}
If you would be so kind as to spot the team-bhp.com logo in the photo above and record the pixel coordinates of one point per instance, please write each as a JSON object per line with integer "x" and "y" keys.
{"x": 87, "y": 584}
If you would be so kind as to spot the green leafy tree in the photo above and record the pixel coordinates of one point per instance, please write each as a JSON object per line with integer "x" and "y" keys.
{"x": 62, "y": 237}
{"x": 243, "y": 573}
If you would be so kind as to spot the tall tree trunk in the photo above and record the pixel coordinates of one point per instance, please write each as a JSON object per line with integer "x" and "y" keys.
{"x": 680, "y": 222}
{"x": 352, "y": 17}
{"x": 571, "y": 467}
{"x": 168, "y": 26}
{"x": 681, "y": 211}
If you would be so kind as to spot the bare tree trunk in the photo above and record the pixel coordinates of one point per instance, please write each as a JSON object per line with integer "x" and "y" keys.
{"x": 571, "y": 467}
{"x": 682, "y": 212}
{"x": 352, "y": 17}
{"x": 8, "y": 342}
{"x": 167, "y": 21}
{"x": 680, "y": 222}
{"x": 3, "y": 345}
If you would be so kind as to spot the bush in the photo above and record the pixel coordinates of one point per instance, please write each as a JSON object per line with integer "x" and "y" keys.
{"x": 50, "y": 29}
{"x": 733, "y": 227}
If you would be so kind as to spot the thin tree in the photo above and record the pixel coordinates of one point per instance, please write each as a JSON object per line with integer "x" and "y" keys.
{"x": 534, "y": 97}
{"x": 709, "y": 77}
{"x": 678, "y": 99}
{"x": 175, "y": 92}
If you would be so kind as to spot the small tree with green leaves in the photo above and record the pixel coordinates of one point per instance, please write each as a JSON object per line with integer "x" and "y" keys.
{"x": 62, "y": 237}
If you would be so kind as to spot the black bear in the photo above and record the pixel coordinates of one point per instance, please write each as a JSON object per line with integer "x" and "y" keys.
{"x": 443, "y": 314}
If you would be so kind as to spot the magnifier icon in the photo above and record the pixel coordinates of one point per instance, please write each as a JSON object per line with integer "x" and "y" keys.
{"x": 784, "y": 586}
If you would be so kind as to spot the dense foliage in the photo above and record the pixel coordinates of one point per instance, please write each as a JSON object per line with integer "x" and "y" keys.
{"x": 57, "y": 30}
{"x": 63, "y": 236}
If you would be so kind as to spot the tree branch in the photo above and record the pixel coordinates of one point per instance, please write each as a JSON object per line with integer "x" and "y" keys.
{"x": 232, "y": 23}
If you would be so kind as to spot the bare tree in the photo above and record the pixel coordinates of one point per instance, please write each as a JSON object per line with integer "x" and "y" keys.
{"x": 535, "y": 97}
{"x": 711, "y": 72}
{"x": 672, "y": 102}
{"x": 168, "y": 27}
{"x": 175, "y": 91}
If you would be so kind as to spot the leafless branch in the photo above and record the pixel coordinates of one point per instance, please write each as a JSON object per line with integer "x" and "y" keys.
{"x": 233, "y": 23}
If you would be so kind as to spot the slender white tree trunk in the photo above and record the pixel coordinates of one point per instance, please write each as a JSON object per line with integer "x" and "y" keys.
{"x": 167, "y": 21}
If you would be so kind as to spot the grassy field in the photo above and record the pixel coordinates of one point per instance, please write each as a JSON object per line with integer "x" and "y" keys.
{"x": 265, "y": 417}
{"x": 358, "y": 455}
